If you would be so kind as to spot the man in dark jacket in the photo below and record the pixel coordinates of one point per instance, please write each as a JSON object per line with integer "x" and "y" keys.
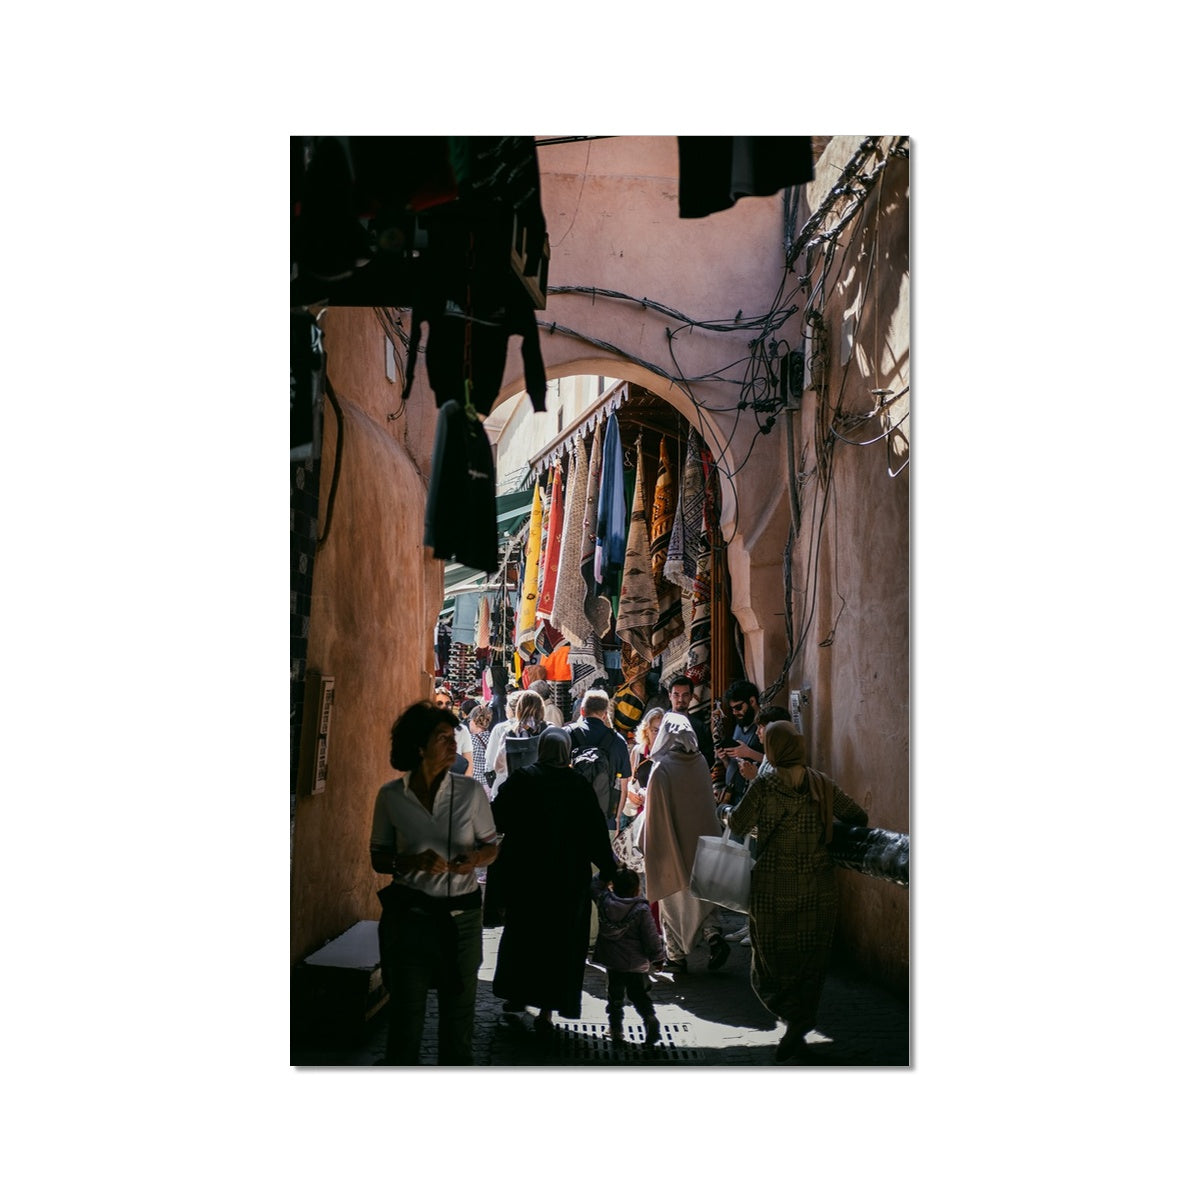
{"x": 592, "y": 729}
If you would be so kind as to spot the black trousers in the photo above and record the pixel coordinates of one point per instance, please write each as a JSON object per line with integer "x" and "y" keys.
{"x": 634, "y": 983}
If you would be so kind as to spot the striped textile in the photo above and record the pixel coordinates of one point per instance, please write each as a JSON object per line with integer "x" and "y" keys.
{"x": 587, "y": 665}
{"x": 638, "y": 607}
{"x": 687, "y": 538}
{"x": 527, "y": 616}
{"x": 699, "y": 665}
{"x": 669, "y": 624}
{"x": 568, "y": 615}
{"x": 598, "y": 608}
{"x": 554, "y": 538}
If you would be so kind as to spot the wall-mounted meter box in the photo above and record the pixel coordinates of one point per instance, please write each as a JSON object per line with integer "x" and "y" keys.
{"x": 314, "y": 734}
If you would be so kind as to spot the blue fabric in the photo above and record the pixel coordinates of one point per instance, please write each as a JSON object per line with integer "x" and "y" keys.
{"x": 611, "y": 518}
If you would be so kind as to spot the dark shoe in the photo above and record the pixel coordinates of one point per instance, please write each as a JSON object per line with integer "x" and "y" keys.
{"x": 675, "y": 966}
{"x": 718, "y": 952}
{"x": 653, "y": 1031}
{"x": 616, "y": 1031}
{"x": 791, "y": 1045}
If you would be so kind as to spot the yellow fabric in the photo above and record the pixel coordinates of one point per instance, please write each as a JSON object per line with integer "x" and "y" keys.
{"x": 527, "y": 622}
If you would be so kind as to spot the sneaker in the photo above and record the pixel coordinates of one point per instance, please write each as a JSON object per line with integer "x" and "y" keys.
{"x": 744, "y": 932}
{"x": 746, "y": 940}
{"x": 653, "y": 1030}
{"x": 675, "y": 966}
{"x": 718, "y": 952}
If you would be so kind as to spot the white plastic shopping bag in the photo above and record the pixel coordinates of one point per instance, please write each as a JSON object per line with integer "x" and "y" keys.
{"x": 721, "y": 872}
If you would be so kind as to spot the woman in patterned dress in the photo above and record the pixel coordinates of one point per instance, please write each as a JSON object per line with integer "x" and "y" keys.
{"x": 479, "y": 725}
{"x": 793, "y": 893}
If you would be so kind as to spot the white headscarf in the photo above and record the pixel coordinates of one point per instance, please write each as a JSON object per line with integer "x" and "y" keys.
{"x": 675, "y": 733}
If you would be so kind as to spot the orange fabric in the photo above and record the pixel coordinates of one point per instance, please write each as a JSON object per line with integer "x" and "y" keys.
{"x": 557, "y": 668}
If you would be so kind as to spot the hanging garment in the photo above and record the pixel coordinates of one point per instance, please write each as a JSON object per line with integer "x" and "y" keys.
{"x": 462, "y": 479}
{"x": 611, "y": 520}
{"x": 568, "y": 615}
{"x": 716, "y": 172}
{"x": 587, "y": 665}
{"x": 597, "y": 608}
{"x": 558, "y": 668}
{"x": 638, "y": 608}
{"x": 554, "y": 538}
{"x": 688, "y": 532}
{"x": 669, "y": 623}
{"x": 698, "y": 668}
{"x": 483, "y": 627}
{"x": 464, "y": 624}
{"x": 444, "y": 642}
{"x": 527, "y": 617}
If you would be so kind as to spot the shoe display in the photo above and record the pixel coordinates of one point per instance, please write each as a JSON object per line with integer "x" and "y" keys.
{"x": 744, "y": 932}
{"x": 718, "y": 952}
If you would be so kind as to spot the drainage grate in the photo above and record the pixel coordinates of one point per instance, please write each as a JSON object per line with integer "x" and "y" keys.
{"x": 588, "y": 1041}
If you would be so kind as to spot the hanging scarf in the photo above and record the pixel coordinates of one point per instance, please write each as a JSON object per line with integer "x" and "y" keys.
{"x": 483, "y": 628}
{"x": 669, "y": 624}
{"x": 554, "y": 538}
{"x": 587, "y": 664}
{"x": 688, "y": 535}
{"x": 597, "y": 608}
{"x": 611, "y": 520}
{"x": 638, "y": 607}
{"x": 527, "y": 619}
{"x": 568, "y": 615}
{"x": 698, "y": 668}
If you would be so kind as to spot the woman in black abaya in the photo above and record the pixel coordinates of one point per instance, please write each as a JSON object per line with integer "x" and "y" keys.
{"x": 553, "y": 832}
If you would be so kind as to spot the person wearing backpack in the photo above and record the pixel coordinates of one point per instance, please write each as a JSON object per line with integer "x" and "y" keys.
{"x": 520, "y": 743}
{"x": 600, "y": 754}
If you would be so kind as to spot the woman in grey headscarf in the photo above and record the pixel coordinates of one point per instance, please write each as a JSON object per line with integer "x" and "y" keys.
{"x": 679, "y": 811}
{"x": 793, "y": 894}
{"x": 553, "y": 832}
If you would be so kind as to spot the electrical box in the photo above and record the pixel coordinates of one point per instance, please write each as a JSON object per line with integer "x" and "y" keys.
{"x": 314, "y": 733}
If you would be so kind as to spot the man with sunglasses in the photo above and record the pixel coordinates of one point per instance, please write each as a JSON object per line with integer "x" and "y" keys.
{"x": 741, "y": 702}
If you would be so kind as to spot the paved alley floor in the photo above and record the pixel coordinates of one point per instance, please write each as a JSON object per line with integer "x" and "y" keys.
{"x": 708, "y": 1019}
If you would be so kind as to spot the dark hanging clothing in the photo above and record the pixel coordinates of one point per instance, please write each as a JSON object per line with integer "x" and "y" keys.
{"x": 553, "y": 833}
{"x": 463, "y": 479}
{"x": 715, "y": 172}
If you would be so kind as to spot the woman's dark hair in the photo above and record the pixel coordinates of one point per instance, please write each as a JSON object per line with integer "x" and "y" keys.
{"x": 413, "y": 729}
{"x": 771, "y": 713}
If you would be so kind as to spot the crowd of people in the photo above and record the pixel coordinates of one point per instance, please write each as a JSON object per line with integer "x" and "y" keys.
{"x": 513, "y": 822}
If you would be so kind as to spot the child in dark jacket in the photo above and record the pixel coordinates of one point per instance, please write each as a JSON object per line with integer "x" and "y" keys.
{"x": 627, "y": 943}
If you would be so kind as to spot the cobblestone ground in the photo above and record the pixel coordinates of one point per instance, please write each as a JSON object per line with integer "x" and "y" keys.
{"x": 707, "y": 1018}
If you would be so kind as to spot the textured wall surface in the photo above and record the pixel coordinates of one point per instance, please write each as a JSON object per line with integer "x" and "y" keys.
{"x": 375, "y": 596}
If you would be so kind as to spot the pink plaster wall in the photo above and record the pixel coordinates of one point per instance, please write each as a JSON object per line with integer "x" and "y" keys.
{"x": 376, "y": 594}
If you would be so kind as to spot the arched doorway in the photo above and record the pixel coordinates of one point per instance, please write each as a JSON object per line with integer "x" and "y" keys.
{"x": 671, "y": 556}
